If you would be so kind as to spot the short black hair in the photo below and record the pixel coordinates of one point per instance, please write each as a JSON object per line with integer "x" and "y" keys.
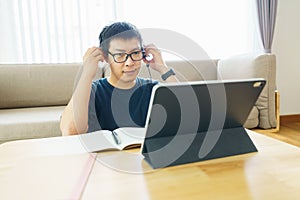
{"x": 123, "y": 30}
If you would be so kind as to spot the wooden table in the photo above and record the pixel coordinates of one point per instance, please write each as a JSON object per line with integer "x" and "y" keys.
{"x": 58, "y": 168}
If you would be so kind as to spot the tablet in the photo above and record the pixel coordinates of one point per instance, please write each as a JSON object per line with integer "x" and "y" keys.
{"x": 190, "y": 116}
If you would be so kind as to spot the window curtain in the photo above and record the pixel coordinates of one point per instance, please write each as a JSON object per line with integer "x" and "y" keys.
{"x": 266, "y": 10}
{"x": 221, "y": 28}
{"x": 51, "y": 31}
{"x": 59, "y": 31}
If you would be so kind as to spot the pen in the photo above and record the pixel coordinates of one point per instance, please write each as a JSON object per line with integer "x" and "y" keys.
{"x": 116, "y": 137}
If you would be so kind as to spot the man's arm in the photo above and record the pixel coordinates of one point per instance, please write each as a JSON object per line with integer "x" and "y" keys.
{"x": 170, "y": 79}
{"x": 67, "y": 123}
{"x": 157, "y": 63}
{"x": 75, "y": 116}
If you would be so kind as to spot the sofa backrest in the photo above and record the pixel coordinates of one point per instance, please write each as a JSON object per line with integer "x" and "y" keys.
{"x": 30, "y": 85}
{"x": 185, "y": 70}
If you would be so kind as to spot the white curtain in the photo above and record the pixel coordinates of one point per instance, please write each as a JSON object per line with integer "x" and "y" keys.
{"x": 221, "y": 27}
{"x": 59, "y": 31}
{"x": 51, "y": 31}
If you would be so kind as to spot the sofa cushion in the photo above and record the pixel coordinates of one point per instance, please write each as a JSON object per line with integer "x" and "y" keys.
{"x": 36, "y": 84}
{"x": 25, "y": 123}
{"x": 254, "y": 66}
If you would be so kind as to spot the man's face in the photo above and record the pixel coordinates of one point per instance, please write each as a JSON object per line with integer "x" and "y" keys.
{"x": 127, "y": 71}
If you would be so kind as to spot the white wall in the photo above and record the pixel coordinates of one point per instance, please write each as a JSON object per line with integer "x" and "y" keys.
{"x": 286, "y": 46}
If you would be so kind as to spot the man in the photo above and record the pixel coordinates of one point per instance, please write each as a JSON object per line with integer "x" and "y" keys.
{"x": 121, "y": 99}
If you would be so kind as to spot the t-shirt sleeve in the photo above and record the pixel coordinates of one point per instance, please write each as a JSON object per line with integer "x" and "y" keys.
{"x": 93, "y": 123}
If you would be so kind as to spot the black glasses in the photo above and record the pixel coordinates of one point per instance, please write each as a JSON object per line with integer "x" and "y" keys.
{"x": 122, "y": 57}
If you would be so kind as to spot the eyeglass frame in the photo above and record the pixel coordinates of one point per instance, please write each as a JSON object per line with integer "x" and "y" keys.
{"x": 127, "y": 55}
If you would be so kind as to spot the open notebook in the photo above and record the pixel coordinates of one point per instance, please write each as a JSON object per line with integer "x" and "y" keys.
{"x": 118, "y": 139}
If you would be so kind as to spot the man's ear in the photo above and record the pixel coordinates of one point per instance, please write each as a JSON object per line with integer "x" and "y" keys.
{"x": 106, "y": 59}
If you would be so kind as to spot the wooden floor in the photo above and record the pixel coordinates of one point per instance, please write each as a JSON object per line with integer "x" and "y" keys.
{"x": 289, "y": 130}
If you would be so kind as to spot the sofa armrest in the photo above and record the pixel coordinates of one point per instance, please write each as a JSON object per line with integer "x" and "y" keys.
{"x": 255, "y": 66}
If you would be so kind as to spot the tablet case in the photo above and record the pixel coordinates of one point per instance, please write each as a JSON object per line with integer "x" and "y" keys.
{"x": 190, "y": 122}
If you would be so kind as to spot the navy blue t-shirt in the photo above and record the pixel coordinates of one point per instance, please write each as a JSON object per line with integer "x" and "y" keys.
{"x": 111, "y": 108}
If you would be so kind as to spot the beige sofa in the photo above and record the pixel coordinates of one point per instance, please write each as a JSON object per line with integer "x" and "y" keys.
{"x": 32, "y": 97}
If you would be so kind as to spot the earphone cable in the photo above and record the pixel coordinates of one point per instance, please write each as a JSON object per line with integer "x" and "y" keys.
{"x": 148, "y": 68}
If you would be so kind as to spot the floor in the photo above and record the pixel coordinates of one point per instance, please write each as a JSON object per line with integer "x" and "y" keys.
{"x": 289, "y": 130}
